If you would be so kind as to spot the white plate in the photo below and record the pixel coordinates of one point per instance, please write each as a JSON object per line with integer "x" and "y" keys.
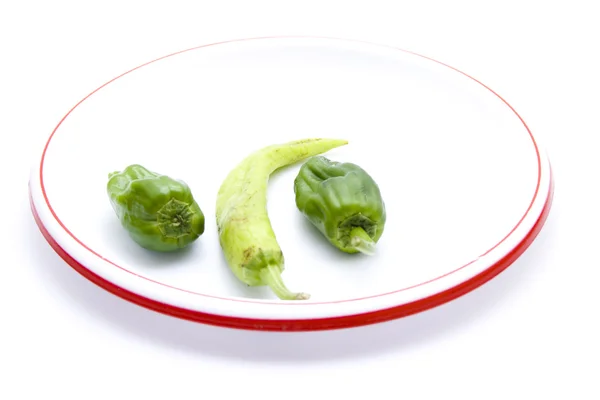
{"x": 467, "y": 187}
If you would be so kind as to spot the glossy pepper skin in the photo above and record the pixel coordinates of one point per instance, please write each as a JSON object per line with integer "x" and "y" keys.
{"x": 343, "y": 202}
{"x": 159, "y": 212}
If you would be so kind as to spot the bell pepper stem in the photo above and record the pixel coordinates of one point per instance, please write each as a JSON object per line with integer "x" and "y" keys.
{"x": 361, "y": 241}
{"x": 271, "y": 275}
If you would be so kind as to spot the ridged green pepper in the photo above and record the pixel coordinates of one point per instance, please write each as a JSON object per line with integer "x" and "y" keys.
{"x": 343, "y": 202}
{"x": 159, "y": 212}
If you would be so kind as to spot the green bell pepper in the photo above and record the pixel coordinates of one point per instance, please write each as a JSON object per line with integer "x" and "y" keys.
{"x": 343, "y": 202}
{"x": 158, "y": 212}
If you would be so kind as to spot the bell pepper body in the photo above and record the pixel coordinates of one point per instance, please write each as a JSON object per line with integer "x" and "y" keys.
{"x": 343, "y": 202}
{"x": 159, "y": 212}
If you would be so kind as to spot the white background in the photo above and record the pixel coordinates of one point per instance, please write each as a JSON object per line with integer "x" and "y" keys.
{"x": 529, "y": 333}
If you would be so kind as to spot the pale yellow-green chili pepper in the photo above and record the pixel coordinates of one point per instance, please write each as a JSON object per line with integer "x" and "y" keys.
{"x": 245, "y": 232}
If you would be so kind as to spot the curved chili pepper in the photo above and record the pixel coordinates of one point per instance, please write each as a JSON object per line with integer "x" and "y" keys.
{"x": 245, "y": 232}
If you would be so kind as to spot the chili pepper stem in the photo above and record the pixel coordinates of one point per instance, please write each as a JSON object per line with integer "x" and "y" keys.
{"x": 361, "y": 241}
{"x": 271, "y": 275}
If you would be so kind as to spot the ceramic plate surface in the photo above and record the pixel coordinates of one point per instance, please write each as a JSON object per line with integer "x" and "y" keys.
{"x": 466, "y": 185}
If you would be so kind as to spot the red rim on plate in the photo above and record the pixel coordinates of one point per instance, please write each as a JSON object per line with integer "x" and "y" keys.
{"x": 298, "y": 324}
